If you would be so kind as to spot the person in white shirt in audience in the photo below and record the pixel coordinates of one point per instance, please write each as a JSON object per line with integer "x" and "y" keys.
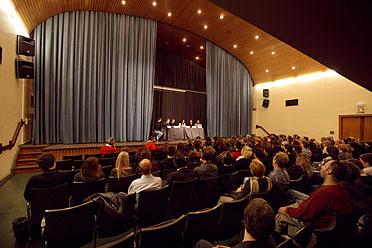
{"x": 147, "y": 180}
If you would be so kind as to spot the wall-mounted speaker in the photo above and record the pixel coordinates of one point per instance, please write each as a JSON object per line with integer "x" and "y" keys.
{"x": 265, "y": 103}
{"x": 25, "y": 46}
{"x": 24, "y": 69}
{"x": 265, "y": 93}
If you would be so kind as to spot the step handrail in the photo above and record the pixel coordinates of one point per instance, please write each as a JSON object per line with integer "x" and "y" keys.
{"x": 258, "y": 126}
{"x": 14, "y": 139}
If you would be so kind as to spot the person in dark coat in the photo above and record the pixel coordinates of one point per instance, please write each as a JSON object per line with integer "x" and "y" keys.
{"x": 183, "y": 172}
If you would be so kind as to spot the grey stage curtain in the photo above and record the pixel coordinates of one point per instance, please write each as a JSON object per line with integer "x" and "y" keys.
{"x": 229, "y": 94}
{"x": 94, "y": 78}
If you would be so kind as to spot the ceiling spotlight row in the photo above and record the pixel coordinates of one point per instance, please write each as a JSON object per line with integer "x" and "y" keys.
{"x": 293, "y": 68}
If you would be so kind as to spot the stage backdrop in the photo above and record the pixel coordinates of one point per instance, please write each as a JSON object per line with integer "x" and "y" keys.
{"x": 94, "y": 78}
{"x": 175, "y": 71}
{"x": 229, "y": 89}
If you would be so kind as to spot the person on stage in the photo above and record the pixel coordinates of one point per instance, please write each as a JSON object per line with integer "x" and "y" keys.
{"x": 157, "y": 129}
{"x": 173, "y": 122}
{"x": 198, "y": 124}
{"x": 166, "y": 123}
{"x": 182, "y": 123}
{"x": 190, "y": 123}
{"x": 109, "y": 147}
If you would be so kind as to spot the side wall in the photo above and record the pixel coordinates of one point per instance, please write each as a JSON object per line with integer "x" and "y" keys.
{"x": 11, "y": 93}
{"x": 320, "y": 102}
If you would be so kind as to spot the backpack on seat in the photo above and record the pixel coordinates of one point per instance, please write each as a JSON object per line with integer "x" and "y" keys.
{"x": 20, "y": 229}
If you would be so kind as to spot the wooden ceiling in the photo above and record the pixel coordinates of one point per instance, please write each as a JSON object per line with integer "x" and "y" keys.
{"x": 186, "y": 22}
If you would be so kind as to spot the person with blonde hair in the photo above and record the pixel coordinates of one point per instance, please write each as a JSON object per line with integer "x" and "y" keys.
{"x": 122, "y": 166}
{"x": 243, "y": 161}
{"x": 301, "y": 167}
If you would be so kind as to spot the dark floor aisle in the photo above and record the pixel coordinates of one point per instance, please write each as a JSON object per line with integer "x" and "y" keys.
{"x": 12, "y": 205}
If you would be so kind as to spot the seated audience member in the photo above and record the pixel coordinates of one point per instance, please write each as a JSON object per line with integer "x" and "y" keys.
{"x": 194, "y": 160}
{"x": 305, "y": 148}
{"x": 90, "y": 171}
{"x": 198, "y": 124}
{"x": 49, "y": 178}
{"x": 109, "y": 147}
{"x": 147, "y": 180}
{"x": 366, "y": 160}
{"x": 168, "y": 162}
{"x": 256, "y": 184}
{"x": 329, "y": 153}
{"x": 365, "y": 180}
{"x": 343, "y": 152}
{"x": 207, "y": 170}
{"x": 208, "y": 141}
{"x": 279, "y": 176}
{"x": 320, "y": 206}
{"x": 302, "y": 167}
{"x": 292, "y": 154}
{"x": 150, "y": 145}
{"x": 183, "y": 172}
{"x": 198, "y": 147}
{"x": 243, "y": 161}
{"x": 226, "y": 166}
{"x": 238, "y": 147}
{"x": 258, "y": 225}
{"x": 122, "y": 166}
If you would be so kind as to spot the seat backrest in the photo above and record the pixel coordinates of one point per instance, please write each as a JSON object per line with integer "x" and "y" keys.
{"x": 152, "y": 207}
{"x": 97, "y": 155}
{"x": 165, "y": 235}
{"x": 81, "y": 190}
{"x": 70, "y": 227}
{"x": 230, "y": 222}
{"x": 111, "y": 155}
{"x": 77, "y": 164}
{"x": 264, "y": 195}
{"x": 120, "y": 184}
{"x": 206, "y": 193}
{"x": 295, "y": 183}
{"x": 42, "y": 199}
{"x": 181, "y": 197}
{"x": 64, "y": 165}
{"x": 166, "y": 172}
{"x": 73, "y": 157}
{"x": 110, "y": 224}
{"x": 303, "y": 236}
{"x": 125, "y": 242}
{"x": 243, "y": 174}
{"x": 107, "y": 161}
{"x": 278, "y": 196}
{"x": 202, "y": 224}
{"x": 70, "y": 173}
{"x": 107, "y": 170}
{"x": 228, "y": 182}
{"x": 288, "y": 243}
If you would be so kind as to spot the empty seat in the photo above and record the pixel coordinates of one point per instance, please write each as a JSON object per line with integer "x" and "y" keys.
{"x": 107, "y": 170}
{"x": 228, "y": 182}
{"x": 64, "y": 165}
{"x": 152, "y": 207}
{"x": 42, "y": 199}
{"x": 121, "y": 184}
{"x": 73, "y": 157}
{"x": 181, "y": 197}
{"x": 77, "y": 164}
{"x": 165, "y": 235}
{"x": 202, "y": 224}
{"x": 107, "y": 161}
{"x": 206, "y": 193}
{"x": 81, "y": 190}
{"x": 70, "y": 227}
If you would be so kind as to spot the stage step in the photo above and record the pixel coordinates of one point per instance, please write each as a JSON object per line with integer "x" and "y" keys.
{"x": 26, "y": 159}
{"x": 28, "y": 155}
{"x": 26, "y": 169}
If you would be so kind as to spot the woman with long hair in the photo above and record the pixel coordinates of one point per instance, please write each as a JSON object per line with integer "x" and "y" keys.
{"x": 122, "y": 166}
{"x": 90, "y": 171}
{"x": 302, "y": 167}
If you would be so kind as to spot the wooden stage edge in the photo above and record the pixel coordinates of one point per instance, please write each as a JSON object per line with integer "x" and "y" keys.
{"x": 60, "y": 150}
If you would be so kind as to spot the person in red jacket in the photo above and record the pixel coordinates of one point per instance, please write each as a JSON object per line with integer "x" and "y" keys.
{"x": 151, "y": 145}
{"x": 109, "y": 147}
{"x": 320, "y": 206}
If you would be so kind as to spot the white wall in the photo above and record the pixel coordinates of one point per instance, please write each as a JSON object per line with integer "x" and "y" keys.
{"x": 321, "y": 101}
{"x": 11, "y": 91}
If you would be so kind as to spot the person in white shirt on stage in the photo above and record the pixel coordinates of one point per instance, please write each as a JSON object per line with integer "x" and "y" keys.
{"x": 198, "y": 124}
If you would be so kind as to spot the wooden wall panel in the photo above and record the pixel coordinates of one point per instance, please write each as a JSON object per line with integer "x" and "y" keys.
{"x": 351, "y": 127}
{"x": 367, "y": 130}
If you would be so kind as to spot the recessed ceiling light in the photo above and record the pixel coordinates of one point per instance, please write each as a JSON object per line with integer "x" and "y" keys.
{"x": 256, "y": 37}
{"x": 154, "y": 3}
{"x": 251, "y": 52}
{"x": 123, "y": 2}
{"x": 221, "y": 17}
{"x": 293, "y": 67}
{"x": 267, "y": 70}
{"x": 201, "y": 47}
{"x": 188, "y": 46}
{"x": 205, "y": 26}
{"x": 169, "y": 14}
{"x": 235, "y": 46}
{"x": 273, "y": 53}
{"x": 199, "y": 11}
{"x": 197, "y": 57}
{"x": 184, "y": 39}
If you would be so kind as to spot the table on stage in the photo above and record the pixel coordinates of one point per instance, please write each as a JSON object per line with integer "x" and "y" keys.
{"x": 182, "y": 133}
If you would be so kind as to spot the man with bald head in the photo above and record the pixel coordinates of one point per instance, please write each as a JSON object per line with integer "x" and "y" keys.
{"x": 147, "y": 180}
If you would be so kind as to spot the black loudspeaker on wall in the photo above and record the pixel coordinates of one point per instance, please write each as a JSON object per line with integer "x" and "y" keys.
{"x": 25, "y": 46}
{"x": 265, "y": 103}
{"x": 265, "y": 93}
{"x": 24, "y": 69}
